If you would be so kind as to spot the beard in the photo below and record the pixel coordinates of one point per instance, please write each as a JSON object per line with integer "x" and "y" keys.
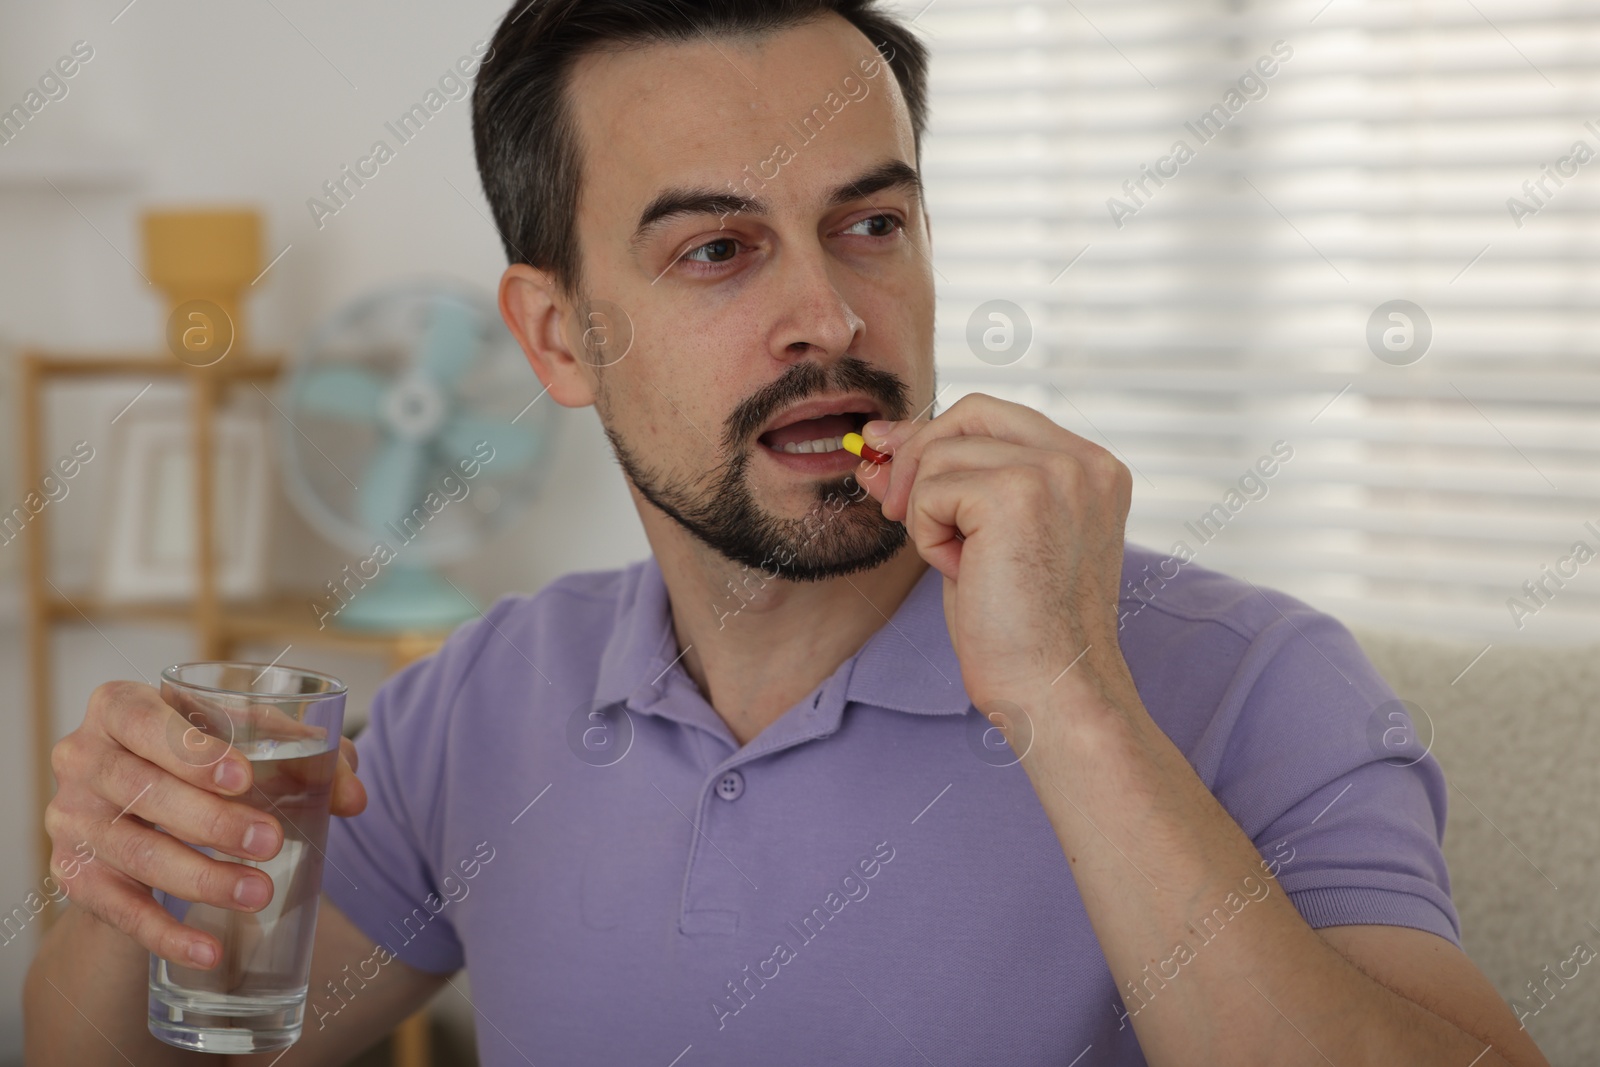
{"x": 842, "y": 533}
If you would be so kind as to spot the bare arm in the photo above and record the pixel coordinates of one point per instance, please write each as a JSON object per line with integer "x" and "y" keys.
{"x": 1025, "y": 521}
{"x": 1272, "y": 990}
{"x": 84, "y": 999}
{"x": 103, "y": 1020}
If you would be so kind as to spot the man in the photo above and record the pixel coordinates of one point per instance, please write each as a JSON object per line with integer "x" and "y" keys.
{"x": 867, "y": 763}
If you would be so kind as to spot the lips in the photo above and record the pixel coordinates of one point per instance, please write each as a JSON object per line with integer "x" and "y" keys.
{"x": 818, "y": 425}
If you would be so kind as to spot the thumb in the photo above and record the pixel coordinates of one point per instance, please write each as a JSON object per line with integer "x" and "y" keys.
{"x": 874, "y": 478}
{"x": 349, "y": 795}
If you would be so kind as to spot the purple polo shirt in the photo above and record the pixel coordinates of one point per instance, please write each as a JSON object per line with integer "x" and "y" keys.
{"x": 554, "y": 806}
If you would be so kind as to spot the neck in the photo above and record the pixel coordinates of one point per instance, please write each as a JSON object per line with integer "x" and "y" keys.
{"x": 755, "y": 645}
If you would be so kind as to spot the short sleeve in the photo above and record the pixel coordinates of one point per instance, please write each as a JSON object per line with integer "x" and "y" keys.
{"x": 1324, "y": 768}
{"x": 384, "y": 865}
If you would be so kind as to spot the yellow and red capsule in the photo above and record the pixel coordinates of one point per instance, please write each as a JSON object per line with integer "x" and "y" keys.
{"x": 856, "y": 445}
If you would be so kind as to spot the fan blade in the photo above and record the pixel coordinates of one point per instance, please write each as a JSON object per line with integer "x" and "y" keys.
{"x": 451, "y": 343}
{"x": 513, "y": 446}
{"x": 342, "y": 393}
{"x": 390, "y": 486}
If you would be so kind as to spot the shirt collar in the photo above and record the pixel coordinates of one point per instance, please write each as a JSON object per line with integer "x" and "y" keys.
{"x": 640, "y": 645}
{"x": 908, "y": 665}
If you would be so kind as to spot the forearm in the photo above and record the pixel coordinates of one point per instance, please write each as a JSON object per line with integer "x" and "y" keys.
{"x": 1165, "y": 872}
{"x": 84, "y": 1001}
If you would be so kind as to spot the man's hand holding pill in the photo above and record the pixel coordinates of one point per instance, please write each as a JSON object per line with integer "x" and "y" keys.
{"x": 1025, "y": 521}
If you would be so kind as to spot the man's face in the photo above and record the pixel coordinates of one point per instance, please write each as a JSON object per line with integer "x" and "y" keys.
{"x": 749, "y": 208}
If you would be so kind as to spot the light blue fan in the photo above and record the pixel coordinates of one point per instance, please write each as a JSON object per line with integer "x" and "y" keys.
{"x": 408, "y": 427}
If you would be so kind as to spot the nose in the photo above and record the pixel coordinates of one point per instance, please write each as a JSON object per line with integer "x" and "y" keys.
{"x": 814, "y": 319}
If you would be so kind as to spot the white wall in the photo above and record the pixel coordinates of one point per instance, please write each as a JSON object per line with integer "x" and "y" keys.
{"x": 203, "y": 103}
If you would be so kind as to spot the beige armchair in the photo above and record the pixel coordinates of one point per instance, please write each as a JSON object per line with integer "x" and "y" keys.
{"x": 1518, "y": 736}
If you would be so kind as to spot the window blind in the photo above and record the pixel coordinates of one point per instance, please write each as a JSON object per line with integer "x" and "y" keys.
{"x": 1196, "y": 308}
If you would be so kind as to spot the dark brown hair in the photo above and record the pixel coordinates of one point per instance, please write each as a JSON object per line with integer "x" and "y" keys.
{"x": 523, "y": 130}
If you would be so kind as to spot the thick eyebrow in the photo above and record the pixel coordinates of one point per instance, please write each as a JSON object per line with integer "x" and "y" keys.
{"x": 672, "y": 204}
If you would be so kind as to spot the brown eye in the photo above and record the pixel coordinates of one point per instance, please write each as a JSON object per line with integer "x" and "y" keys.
{"x": 718, "y": 251}
{"x": 876, "y": 226}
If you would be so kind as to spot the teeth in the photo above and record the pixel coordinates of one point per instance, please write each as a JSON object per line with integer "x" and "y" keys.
{"x": 823, "y": 444}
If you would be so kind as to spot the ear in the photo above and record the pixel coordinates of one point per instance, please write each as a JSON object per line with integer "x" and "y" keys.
{"x": 538, "y": 314}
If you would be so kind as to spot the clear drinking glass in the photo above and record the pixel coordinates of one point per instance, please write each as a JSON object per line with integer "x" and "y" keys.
{"x": 287, "y": 723}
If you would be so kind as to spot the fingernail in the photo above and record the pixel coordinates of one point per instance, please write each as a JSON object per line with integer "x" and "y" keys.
{"x": 877, "y": 429}
{"x": 230, "y": 775}
{"x": 260, "y": 840}
{"x": 201, "y": 954}
{"x": 251, "y": 892}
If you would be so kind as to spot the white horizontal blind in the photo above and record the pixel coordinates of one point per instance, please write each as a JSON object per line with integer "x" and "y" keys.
{"x": 1229, "y": 310}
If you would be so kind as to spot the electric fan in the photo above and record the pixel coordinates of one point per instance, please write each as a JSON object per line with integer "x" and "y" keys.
{"x": 409, "y": 436}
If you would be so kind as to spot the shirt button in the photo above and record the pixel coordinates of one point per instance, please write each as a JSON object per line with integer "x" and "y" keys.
{"x": 730, "y": 786}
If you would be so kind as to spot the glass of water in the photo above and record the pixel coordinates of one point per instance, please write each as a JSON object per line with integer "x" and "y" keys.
{"x": 287, "y": 722}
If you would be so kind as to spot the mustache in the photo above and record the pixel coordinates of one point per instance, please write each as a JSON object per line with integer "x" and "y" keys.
{"x": 803, "y": 380}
